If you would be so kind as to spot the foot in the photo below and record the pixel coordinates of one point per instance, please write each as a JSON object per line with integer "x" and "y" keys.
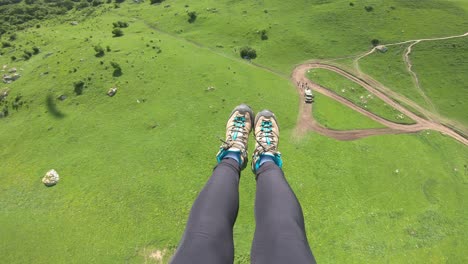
{"x": 238, "y": 129}
{"x": 266, "y": 131}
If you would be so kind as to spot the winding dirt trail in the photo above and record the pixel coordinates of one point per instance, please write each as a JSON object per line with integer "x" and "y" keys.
{"x": 409, "y": 65}
{"x": 306, "y": 121}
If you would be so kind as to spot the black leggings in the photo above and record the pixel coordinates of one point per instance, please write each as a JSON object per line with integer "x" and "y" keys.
{"x": 279, "y": 235}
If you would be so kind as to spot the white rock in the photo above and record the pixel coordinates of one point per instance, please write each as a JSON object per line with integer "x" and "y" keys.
{"x": 51, "y": 178}
{"x": 112, "y": 91}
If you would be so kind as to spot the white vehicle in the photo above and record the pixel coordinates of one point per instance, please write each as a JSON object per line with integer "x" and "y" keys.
{"x": 309, "y": 96}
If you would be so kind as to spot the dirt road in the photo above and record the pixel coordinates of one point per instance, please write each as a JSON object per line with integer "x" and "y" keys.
{"x": 306, "y": 120}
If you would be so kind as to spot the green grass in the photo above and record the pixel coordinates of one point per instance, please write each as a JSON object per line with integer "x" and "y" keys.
{"x": 130, "y": 171}
{"x": 300, "y": 30}
{"x": 390, "y": 69}
{"x": 334, "y": 115}
{"x": 433, "y": 62}
{"x": 357, "y": 94}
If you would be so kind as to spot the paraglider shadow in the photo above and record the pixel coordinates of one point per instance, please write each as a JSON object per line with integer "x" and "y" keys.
{"x": 52, "y": 107}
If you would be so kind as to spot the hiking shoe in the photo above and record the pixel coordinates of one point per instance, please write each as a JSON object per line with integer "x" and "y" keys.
{"x": 266, "y": 131}
{"x": 238, "y": 128}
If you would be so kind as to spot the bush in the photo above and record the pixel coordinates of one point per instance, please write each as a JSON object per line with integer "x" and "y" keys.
{"x": 263, "y": 34}
{"x": 96, "y": 3}
{"x": 192, "y": 16}
{"x": 120, "y": 24}
{"x": 248, "y": 53}
{"x": 27, "y": 54}
{"x": 4, "y": 112}
{"x": 99, "y": 51}
{"x": 108, "y": 49}
{"x": 156, "y": 1}
{"x": 117, "y": 32}
{"x": 369, "y": 8}
{"x": 13, "y": 58}
{"x": 78, "y": 87}
{"x": 6, "y": 44}
{"x": 375, "y": 42}
{"x": 36, "y": 50}
{"x": 117, "y": 69}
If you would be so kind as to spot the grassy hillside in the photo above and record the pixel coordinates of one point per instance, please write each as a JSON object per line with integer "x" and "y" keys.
{"x": 357, "y": 94}
{"x": 390, "y": 69}
{"x": 334, "y": 115}
{"x": 131, "y": 165}
{"x": 433, "y": 62}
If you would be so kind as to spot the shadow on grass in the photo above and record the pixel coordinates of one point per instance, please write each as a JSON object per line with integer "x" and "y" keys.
{"x": 52, "y": 107}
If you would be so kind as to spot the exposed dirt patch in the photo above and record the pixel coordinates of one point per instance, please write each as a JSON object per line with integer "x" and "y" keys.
{"x": 306, "y": 121}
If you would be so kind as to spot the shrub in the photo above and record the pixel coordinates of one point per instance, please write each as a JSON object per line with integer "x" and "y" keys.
{"x": 117, "y": 32}
{"x": 27, "y": 54}
{"x": 248, "y": 53}
{"x": 78, "y": 87}
{"x": 263, "y": 34}
{"x": 4, "y": 112}
{"x": 369, "y": 8}
{"x": 13, "y": 37}
{"x": 108, "y": 48}
{"x": 99, "y": 51}
{"x": 6, "y": 44}
{"x": 117, "y": 69}
{"x": 351, "y": 4}
{"x": 156, "y": 1}
{"x": 120, "y": 24}
{"x": 192, "y": 16}
{"x": 375, "y": 42}
{"x": 13, "y": 58}
{"x": 97, "y": 3}
{"x": 36, "y": 50}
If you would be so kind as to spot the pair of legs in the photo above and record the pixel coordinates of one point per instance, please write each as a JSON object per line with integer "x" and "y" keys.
{"x": 279, "y": 236}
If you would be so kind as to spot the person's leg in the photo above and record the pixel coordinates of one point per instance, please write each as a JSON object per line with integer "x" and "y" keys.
{"x": 208, "y": 235}
{"x": 280, "y": 233}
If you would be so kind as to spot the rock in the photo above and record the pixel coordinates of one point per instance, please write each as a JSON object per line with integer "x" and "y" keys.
{"x": 11, "y": 78}
{"x": 381, "y": 48}
{"x": 74, "y": 23}
{"x": 4, "y": 93}
{"x": 112, "y": 91}
{"x": 211, "y": 88}
{"x": 51, "y": 178}
{"x": 62, "y": 97}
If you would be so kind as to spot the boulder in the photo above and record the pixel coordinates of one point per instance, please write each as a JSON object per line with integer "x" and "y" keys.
{"x": 51, "y": 178}
{"x": 112, "y": 91}
{"x": 381, "y": 48}
{"x": 4, "y": 93}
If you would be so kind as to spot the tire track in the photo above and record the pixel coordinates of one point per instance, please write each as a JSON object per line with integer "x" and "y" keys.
{"x": 306, "y": 121}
